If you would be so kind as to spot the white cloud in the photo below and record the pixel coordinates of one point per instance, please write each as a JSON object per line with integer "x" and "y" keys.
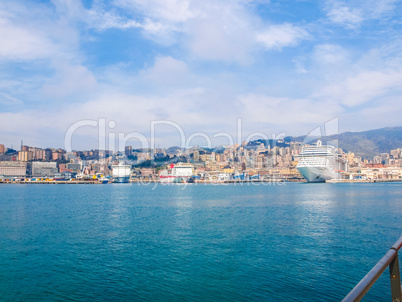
{"x": 165, "y": 76}
{"x": 284, "y": 111}
{"x": 6, "y": 99}
{"x": 384, "y": 112}
{"x": 160, "y": 21}
{"x": 351, "y": 17}
{"x": 353, "y": 13}
{"x": 329, "y": 54}
{"x": 31, "y": 32}
{"x": 69, "y": 79}
{"x": 226, "y": 31}
{"x": 72, "y": 10}
{"x": 300, "y": 65}
{"x": 361, "y": 88}
{"x": 166, "y": 70}
{"x": 101, "y": 20}
{"x": 212, "y": 39}
{"x": 176, "y": 11}
{"x": 44, "y": 41}
{"x": 278, "y": 36}
{"x": 21, "y": 43}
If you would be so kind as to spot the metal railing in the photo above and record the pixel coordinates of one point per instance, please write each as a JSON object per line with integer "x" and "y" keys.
{"x": 390, "y": 259}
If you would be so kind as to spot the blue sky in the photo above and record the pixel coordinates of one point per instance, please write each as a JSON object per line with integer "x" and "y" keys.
{"x": 280, "y": 66}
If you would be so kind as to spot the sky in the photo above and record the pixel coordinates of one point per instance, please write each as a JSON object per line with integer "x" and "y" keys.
{"x": 277, "y": 66}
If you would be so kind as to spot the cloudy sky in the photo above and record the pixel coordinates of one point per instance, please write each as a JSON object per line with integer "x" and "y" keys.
{"x": 280, "y": 66}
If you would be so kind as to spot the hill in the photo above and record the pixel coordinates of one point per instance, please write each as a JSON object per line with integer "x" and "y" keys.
{"x": 366, "y": 144}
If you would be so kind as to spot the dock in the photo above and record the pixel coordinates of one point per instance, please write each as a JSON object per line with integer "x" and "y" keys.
{"x": 54, "y": 182}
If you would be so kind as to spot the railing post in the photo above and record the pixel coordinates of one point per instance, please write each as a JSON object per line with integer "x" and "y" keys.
{"x": 395, "y": 276}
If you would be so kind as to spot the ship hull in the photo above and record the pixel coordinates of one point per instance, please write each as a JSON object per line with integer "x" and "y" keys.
{"x": 121, "y": 180}
{"x": 174, "y": 179}
{"x": 179, "y": 173}
{"x": 317, "y": 174}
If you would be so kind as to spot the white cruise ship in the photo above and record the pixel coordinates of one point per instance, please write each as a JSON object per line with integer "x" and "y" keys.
{"x": 320, "y": 163}
{"x": 177, "y": 173}
{"x": 121, "y": 173}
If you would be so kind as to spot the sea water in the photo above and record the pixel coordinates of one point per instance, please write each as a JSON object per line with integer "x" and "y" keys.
{"x": 130, "y": 242}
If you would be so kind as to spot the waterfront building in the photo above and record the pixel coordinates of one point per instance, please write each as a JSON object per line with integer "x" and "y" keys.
{"x": 63, "y": 168}
{"x": 205, "y": 157}
{"x": 57, "y": 155}
{"x": 48, "y": 154}
{"x": 40, "y": 154}
{"x": 224, "y": 176}
{"x": 219, "y": 157}
{"x": 25, "y": 156}
{"x": 196, "y": 155}
{"x": 377, "y": 160}
{"x": 259, "y": 162}
{"x": 44, "y": 169}
{"x": 13, "y": 168}
{"x": 148, "y": 172}
{"x": 161, "y": 152}
{"x": 212, "y": 165}
{"x": 73, "y": 167}
{"x": 394, "y": 153}
{"x": 384, "y": 156}
{"x": 128, "y": 151}
{"x": 101, "y": 154}
{"x": 199, "y": 165}
{"x": 382, "y": 173}
{"x": 69, "y": 156}
{"x": 353, "y": 160}
{"x": 37, "y": 153}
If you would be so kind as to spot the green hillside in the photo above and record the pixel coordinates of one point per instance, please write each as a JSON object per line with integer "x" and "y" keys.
{"x": 367, "y": 144}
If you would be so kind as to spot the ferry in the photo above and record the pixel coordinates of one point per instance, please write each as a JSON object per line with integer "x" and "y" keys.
{"x": 121, "y": 173}
{"x": 177, "y": 173}
{"x": 320, "y": 163}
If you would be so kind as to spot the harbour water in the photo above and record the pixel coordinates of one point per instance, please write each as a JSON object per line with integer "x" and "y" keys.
{"x": 130, "y": 242}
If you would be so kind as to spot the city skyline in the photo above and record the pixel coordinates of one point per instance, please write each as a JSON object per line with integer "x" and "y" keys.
{"x": 249, "y": 161}
{"x": 280, "y": 66}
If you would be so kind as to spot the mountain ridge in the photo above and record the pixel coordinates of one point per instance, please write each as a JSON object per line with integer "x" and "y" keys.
{"x": 366, "y": 144}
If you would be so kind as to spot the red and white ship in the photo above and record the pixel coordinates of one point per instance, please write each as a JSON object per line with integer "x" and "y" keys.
{"x": 177, "y": 173}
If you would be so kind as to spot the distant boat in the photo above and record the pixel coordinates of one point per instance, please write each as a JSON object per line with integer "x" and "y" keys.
{"x": 177, "y": 173}
{"x": 320, "y": 163}
{"x": 121, "y": 173}
{"x": 104, "y": 180}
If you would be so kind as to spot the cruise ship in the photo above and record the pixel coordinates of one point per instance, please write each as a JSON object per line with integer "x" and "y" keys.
{"x": 121, "y": 173}
{"x": 177, "y": 173}
{"x": 320, "y": 163}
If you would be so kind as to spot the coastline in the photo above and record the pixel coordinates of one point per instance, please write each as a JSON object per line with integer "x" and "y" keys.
{"x": 95, "y": 182}
{"x": 135, "y": 181}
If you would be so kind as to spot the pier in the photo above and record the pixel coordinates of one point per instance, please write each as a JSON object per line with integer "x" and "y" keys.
{"x": 54, "y": 182}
